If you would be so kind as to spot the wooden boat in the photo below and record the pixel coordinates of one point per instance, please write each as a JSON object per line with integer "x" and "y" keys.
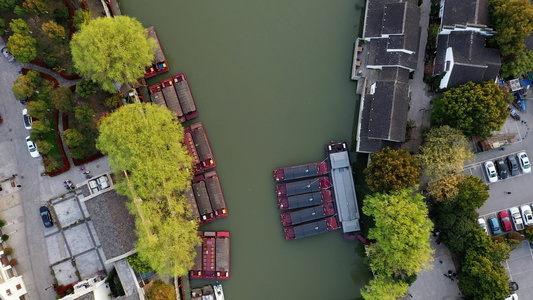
{"x": 156, "y": 94}
{"x": 206, "y": 159}
{"x": 311, "y": 228}
{"x": 303, "y": 186}
{"x": 185, "y": 96}
{"x": 222, "y": 255}
{"x": 304, "y": 200}
{"x": 307, "y": 214}
{"x": 209, "y": 254}
{"x": 160, "y": 62}
{"x": 301, "y": 171}
{"x": 202, "y": 200}
{"x": 216, "y": 197}
{"x": 171, "y": 98}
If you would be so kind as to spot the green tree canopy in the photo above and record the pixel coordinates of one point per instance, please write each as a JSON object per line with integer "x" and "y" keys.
{"x": 513, "y": 20}
{"x": 144, "y": 144}
{"x": 475, "y": 109}
{"x": 7, "y": 5}
{"x": 455, "y": 224}
{"x": 392, "y": 170}
{"x": 384, "y": 288}
{"x": 401, "y": 233}
{"x": 84, "y": 113}
{"x": 520, "y": 65}
{"x": 53, "y": 30}
{"x": 19, "y": 26}
{"x": 73, "y": 137}
{"x": 473, "y": 192}
{"x": 445, "y": 188}
{"x": 23, "y": 87}
{"x": 86, "y": 88}
{"x": 37, "y": 7}
{"x": 41, "y": 126}
{"x": 81, "y": 18}
{"x": 444, "y": 152}
{"x": 23, "y": 47}
{"x": 62, "y": 98}
{"x": 161, "y": 291}
{"x": 138, "y": 264}
{"x": 39, "y": 109}
{"x": 109, "y": 50}
{"x": 44, "y": 146}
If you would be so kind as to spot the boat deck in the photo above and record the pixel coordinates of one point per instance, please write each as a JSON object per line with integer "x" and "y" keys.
{"x": 215, "y": 194}
{"x": 159, "y": 57}
{"x": 343, "y": 187}
{"x": 203, "y": 147}
{"x": 223, "y": 255}
{"x": 185, "y": 96}
{"x": 156, "y": 94}
{"x": 191, "y": 201}
{"x": 191, "y": 147}
{"x": 310, "y": 229}
{"x": 202, "y": 199}
{"x": 302, "y": 186}
{"x": 171, "y": 98}
{"x": 209, "y": 253}
{"x": 301, "y": 171}
{"x": 196, "y": 271}
{"x": 307, "y": 214}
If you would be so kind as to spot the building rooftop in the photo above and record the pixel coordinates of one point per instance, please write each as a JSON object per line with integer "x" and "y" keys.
{"x": 463, "y": 13}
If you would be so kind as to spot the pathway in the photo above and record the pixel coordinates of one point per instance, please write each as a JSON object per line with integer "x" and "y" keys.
{"x": 62, "y": 81}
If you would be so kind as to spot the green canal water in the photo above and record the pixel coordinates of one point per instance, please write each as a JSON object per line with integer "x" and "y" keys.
{"x": 271, "y": 80}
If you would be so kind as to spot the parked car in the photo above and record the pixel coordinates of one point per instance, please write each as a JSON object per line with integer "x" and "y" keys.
{"x": 32, "y": 148}
{"x": 505, "y": 220}
{"x": 502, "y": 169}
{"x": 517, "y": 218}
{"x": 7, "y": 54}
{"x": 527, "y": 215}
{"x": 523, "y": 162}
{"x": 491, "y": 171}
{"x": 46, "y": 217}
{"x": 482, "y": 224}
{"x": 27, "y": 119}
{"x": 513, "y": 287}
{"x": 494, "y": 225}
{"x": 513, "y": 165}
{"x": 512, "y": 297}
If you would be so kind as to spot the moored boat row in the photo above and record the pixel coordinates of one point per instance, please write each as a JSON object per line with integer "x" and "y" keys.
{"x": 175, "y": 94}
{"x": 212, "y": 259}
{"x": 205, "y": 198}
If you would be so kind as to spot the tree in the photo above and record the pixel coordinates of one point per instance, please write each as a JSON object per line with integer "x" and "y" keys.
{"x": 109, "y": 50}
{"x": 138, "y": 265}
{"x": 475, "y": 109}
{"x": 401, "y": 233}
{"x": 521, "y": 64}
{"x": 472, "y": 193}
{"x": 513, "y": 20}
{"x": 23, "y": 87}
{"x": 23, "y": 47}
{"x": 392, "y": 170}
{"x": 384, "y": 288}
{"x": 51, "y": 163}
{"x": 2, "y": 26}
{"x": 19, "y": 26}
{"x": 41, "y": 126}
{"x": 81, "y": 18}
{"x": 161, "y": 291}
{"x": 39, "y": 110}
{"x": 53, "y": 30}
{"x": 7, "y": 5}
{"x": 85, "y": 88}
{"x": 444, "y": 152}
{"x": 36, "y": 7}
{"x": 445, "y": 188}
{"x": 61, "y": 15}
{"x": 62, "y": 99}
{"x": 19, "y": 11}
{"x": 84, "y": 113}
{"x": 455, "y": 224}
{"x": 113, "y": 101}
{"x": 73, "y": 137}
{"x": 44, "y": 146}
{"x": 144, "y": 144}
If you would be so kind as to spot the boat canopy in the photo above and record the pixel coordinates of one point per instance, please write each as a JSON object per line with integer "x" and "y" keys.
{"x": 215, "y": 192}
{"x": 185, "y": 96}
{"x": 344, "y": 189}
{"x": 200, "y": 193}
{"x": 307, "y": 214}
{"x": 309, "y": 229}
{"x": 305, "y": 200}
{"x": 171, "y": 98}
{"x": 302, "y": 187}
{"x": 201, "y": 143}
{"x": 303, "y": 171}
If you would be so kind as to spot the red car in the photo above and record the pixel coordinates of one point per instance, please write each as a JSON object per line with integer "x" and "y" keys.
{"x": 505, "y": 221}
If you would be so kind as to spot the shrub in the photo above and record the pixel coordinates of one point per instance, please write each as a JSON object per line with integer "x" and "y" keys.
{"x": 81, "y": 18}
{"x": 112, "y": 102}
{"x": 52, "y": 59}
{"x": 515, "y": 235}
{"x": 13, "y": 261}
{"x": 2, "y": 26}
{"x": 84, "y": 113}
{"x": 51, "y": 163}
{"x": 44, "y": 146}
{"x": 498, "y": 239}
{"x": 529, "y": 233}
{"x": 514, "y": 244}
{"x": 8, "y": 251}
{"x": 86, "y": 88}
{"x": 2, "y": 223}
{"x": 61, "y": 14}
{"x": 5, "y": 237}
{"x": 73, "y": 137}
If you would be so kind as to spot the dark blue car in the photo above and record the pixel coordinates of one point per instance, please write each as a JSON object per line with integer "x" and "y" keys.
{"x": 46, "y": 216}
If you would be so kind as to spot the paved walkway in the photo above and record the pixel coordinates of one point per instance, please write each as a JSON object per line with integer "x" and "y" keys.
{"x": 62, "y": 81}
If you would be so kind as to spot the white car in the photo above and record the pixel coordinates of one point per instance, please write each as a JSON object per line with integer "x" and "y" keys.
{"x": 483, "y": 224}
{"x": 512, "y": 297}
{"x": 491, "y": 171}
{"x": 523, "y": 162}
{"x": 527, "y": 215}
{"x": 8, "y": 55}
{"x": 32, "y": 148}
{"x": 27, "y": 119}
{"x": 517, "y": 218}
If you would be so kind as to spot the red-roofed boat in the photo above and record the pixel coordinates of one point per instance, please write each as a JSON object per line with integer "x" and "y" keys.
{"x": 208, "y": 255}
{"x": 307, "y": 214}
{"x": 202, "y": 200}
{"x": 303, "y": 186}
{"x": 185, "y": 96}
{"x": 304, "y": 200}
{"x": 216, "y": 197}
{"x": 301, "y": 171}
{"x": 311, "y": 228}
{"x": 212, "y": 258}
{"x": 199, "y": 149}
{"x": 156, "y": 95}
{"x": 171, "y": 98}
{"x": 160, "y": 63}
{"x": 223, "y": 255}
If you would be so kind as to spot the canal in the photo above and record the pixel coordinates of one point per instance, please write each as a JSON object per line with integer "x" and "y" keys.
{"x": 271, "y": 80}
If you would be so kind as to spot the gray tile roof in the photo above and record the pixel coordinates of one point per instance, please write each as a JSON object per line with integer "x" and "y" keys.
{"x": 465, "y": 12}
{"x": 473, "y": 61}
{"x": 114, "y": 224}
